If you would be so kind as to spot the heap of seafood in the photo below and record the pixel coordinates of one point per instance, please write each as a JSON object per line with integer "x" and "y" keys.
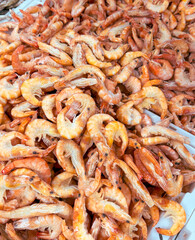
{"x": 79, "y": 157}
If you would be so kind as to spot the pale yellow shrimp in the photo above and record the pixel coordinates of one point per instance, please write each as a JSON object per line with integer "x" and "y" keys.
{"x": 91, "y": 59}
{"x": 51, "y": 30}
{"x": 69, "y": 129}
{"x": 132, "y": 84}
{"x": 125, "y": 72}
{"x": 78, "y": 56}
{"x": 137, "y": 185}
{"x": 48, "y": 104}
{"x": 63, "y": 158}
{"x": 82, "y": 82}
{"x": 80, "y": 219}
{"x": 176, "y": 105}
{"x": 127, "y": 114}
{"x": 117, "y": 30}
{"x": 3, "y": 44}
{"x": 111, "y": 71}
{"x": 189, "y": 161}
{"x": 92, "y": 42}
{"x": 174, "y": 187}
{"x": 97, "y": 205}
{"x": 64, "y": 57}
{"x": 116, "y": 131}
{"x": 53, "y": 71}
{"x": 33, "y": 87}
{"x": 11, "y": 47}
{"x": 51, "y": 222}
{"x": 175, "y": 211}
{"x": 94, "y": 127}
{"x": 38, "y": 165}
{"x": 147, "y": 141}
{"x": 130, "y": 56}
{"x": 113, "y": 229}
{"x": 33, "y": 131}
{"x": 163, "y": 131}
{"x": 69, "y": 149}
{"x": 19, "y": 150}
{"x": 61, "y": 185}
{"x": 152, "y": 92}
{"x": 39, "y": 209}
{"x": 64, "y": 95}
{"x": 157, "y": 7}
{"x": 164, "y": 32}
{"x": 8, "y": 90}
{"x": 55, "y": 42}
{"x": 184, "y": 79}
{"x": 147, "y": 103}
{"x": 115, "y": 195}
{"x": 78, "y": 72}
{"x": 86, "y": 142}
{"x": 117, "y": 53}
{"x": 9, "y": 229}
{"x": 161, "y": 68}
{"x": 23, "y": 110}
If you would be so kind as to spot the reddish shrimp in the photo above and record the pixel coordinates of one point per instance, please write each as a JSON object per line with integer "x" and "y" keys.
{"x": 164, "y": 71}
{"x": 38, "y": 165}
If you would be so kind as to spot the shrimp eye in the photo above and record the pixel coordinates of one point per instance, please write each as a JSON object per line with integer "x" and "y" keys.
{"x": 39, "y": 35}
{"x": 116, "y": 182}
{"x": 136, "y": 200}
{"x": 34, "y": 152}
{"x": 51, "y": 192}
{"x": 127, "y": 221}
{"x": 106, "y": 154}
{"x": 119, "y": 188}
{"x": 31, "y": 178}
{"x": 177, "y": 163}
{"x": 137, "y": 148}
{"x": 101, "y": 159}
{"x": 60, "y": 76}
{"x": 161, "y": 157}
{"x": 88, "y": 108}
{"x": 142, "y": 201}
{"x": 79, "y": 195}
{"x": 103, "y": 215}
{"x": 40, "y": 63}
{"x": 135, "y": 144}
{"x": 177, "y": 50}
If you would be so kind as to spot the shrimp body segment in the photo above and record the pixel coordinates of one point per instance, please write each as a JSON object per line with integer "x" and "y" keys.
{"x": 68, "y": 129}
{"x": 175, "y": 211}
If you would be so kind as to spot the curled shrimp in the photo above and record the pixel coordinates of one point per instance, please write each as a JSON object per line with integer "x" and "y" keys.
{"x": 97, "y": 205}
{"x": 152, "y": 166}
{"x": 164, "y": 71}
{"x": 48, "y": 104}
{"x": 117, "y": 53}
{"x": 125, "y": 72}
{"x": 61, "y": 185}
{"x": 175, "y": 211}
{"x": 184, "y": 79}
{"x": 94, "y": 127}
{"x": 33, "y": 87}
{"x": 64, "y": 57}
{"x": 78, "y": 72}
{"x": 40, "y": 209}
{"x": 116, "y": 131}
{"x": 130, "y": 56}
{"x": 132, "y": 84}
{"x": 69, "y": 129}
{"x": 169, "y": 152}
{"x": 152, "y": 92}
{"x": 127, "y": 114}
{"x": 189, "y": 161}
{"x": 157, "y": 7}
{"x": 93, "y": 44}
{"x": 91, "y": 59}
{"x": 176, "y": 105}
{"x": 51, "y": 222}
{"x": 38, "y": 165}
{"x": 19, "y": 150}
{"x": 79, "y": 220}
{"x": 163, "y": 131}
{"x": 78, "y": 56}
{"x": 23, "y": 110}
{"x": 137, "y": 185}
{"x": 188, "y": 177}
{"x": 64, "y": 95}
{"x": 174, "y": 187}
{"x": 47, "y": 128}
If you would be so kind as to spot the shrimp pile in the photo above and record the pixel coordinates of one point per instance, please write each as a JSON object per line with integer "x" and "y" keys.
{"x": 79, "y": 157}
